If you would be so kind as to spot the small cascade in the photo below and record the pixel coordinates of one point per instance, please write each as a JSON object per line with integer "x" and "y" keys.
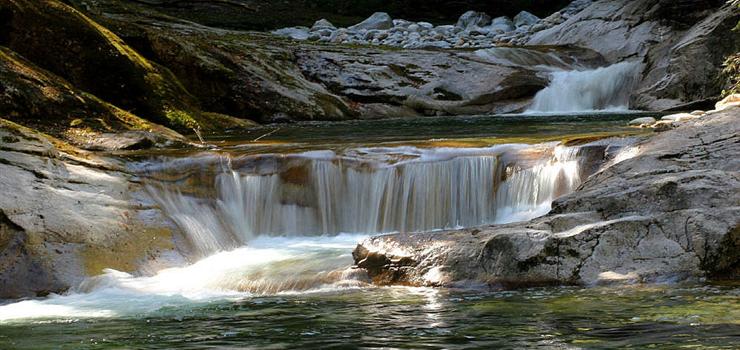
{"x": 606, "y": 88}
{"x": 370, "y": 191}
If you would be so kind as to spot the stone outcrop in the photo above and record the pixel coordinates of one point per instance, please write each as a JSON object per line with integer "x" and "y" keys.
{"x": 39, "y": 99}
{"x": 66, "y": 214}
{"x": 666, "y": 209}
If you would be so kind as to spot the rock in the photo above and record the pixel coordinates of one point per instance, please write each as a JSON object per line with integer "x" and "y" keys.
{"x": 66, "y": 214}
{"x": 679, "y": 117}
{"x": 322, "y": 24}
{"x": 575, "y": 7}
{"x": 525, "y": 18}
{"x": 501, "y": 24}
{"x": 473, "y": 19}
{"x": 297, "y": 33}
{"x": 426, "y": 25}
{"x": 664, "y": 125}
{"x": 554, "y": 19}
{"x": 378, "y": 20}
{"x": 84, "y": 50}
{"x": 642, "y": 121}
{"x": 662, "y": 210}
{"x": 71, "y": 115}
{"x": 727, "y": 102}
{"x": 698, "y": 113}
{"x": 422, "y": 81}
{"x": 402, "y": 23}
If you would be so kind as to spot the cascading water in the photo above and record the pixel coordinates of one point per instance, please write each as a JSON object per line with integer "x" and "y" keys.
{"x": 273, "y": 224}
{"x": 606, "y": 88}
{"x": 411, "y": 190}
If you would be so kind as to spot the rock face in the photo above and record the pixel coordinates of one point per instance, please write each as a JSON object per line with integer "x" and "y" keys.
{"x": 66, "y": 214}
{"x": 666, "y": 209}
{"x": 412, "y": 83}
{"x": 667, "y": 36}
{"x": 39, "y": 99}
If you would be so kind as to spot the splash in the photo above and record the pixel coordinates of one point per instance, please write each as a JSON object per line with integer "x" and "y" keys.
{"x": 370, "y": 191}
{"x": 601, "y": 89}
{"x": 268, "y": 266}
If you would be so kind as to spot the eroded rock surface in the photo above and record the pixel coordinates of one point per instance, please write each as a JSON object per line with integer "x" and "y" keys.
{"x": 66, "y": 214}
{"x": 665, "y": 209}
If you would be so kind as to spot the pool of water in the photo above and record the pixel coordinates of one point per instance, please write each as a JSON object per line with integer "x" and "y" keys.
{"x": 460, "y": 131}
{"x": 661, "y": 317}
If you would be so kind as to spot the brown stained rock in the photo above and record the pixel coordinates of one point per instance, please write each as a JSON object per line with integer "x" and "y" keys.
{"x": 65, "y": 214}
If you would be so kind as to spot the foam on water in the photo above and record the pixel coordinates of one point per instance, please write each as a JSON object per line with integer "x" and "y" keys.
{"x": 269, "y": 265}
{"x": 601, "y": 89}
{"x": 278, "y": 224}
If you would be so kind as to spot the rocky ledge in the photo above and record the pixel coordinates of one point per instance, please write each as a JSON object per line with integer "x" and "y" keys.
{"x": 666, "y": 209}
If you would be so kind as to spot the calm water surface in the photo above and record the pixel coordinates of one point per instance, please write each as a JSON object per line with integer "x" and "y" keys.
{"x": 663, "y": 317}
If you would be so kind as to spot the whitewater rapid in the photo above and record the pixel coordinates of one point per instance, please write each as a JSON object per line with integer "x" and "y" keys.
{"x": 276, "y": 224}
{"x": 601, "y": 89}
{"x": 267, "y": 266}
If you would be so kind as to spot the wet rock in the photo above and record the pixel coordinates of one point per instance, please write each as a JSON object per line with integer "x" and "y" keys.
{"x": 660, "y": 211}
{"x": 378, "y": 20}
{"x": 653, "y": 31}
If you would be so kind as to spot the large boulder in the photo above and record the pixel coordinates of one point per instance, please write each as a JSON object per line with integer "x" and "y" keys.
{"x": 473, "y": 19}
{"x": 666, "y": 209}
{"x": 378, "y": 20}
{"x": 525, "y": 18}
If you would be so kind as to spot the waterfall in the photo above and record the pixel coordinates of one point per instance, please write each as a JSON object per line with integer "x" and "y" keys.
{"x": 606, "y": 88}
{"x": 369, "y": 192}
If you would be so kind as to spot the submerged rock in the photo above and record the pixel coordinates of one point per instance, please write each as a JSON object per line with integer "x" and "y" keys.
{"x": 666, "y": 209}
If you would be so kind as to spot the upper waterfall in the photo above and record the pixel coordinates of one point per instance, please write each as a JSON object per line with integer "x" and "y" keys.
{"x": 605, "y": 88}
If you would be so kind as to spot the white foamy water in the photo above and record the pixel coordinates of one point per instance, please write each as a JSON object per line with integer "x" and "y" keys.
{"x": 269, "y": 265}
{"x": 375, "y": 191}
{"x": 601, "y": 89}
{"x": 274, "y": 224}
